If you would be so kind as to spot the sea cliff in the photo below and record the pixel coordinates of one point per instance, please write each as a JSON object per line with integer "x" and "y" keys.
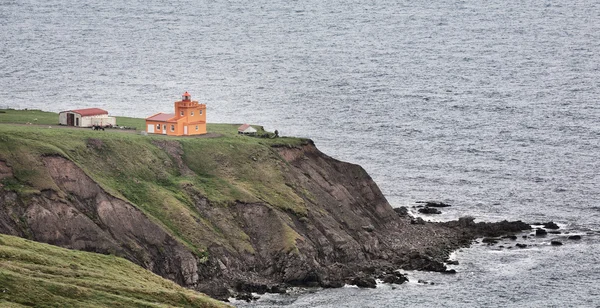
{"x": 224, "y": 215}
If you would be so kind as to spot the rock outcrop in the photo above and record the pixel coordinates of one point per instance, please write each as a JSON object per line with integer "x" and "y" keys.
{"x": 344, "y": 226}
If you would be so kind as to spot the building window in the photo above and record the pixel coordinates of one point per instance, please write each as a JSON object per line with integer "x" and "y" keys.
{"x": 158, "y": 126}
{"x": 165, "y": 126}
{"x": 181, "y": 113}
{"x": 200, "y": 111}
{"x": 172, "y": 127}
{"x": 192, "y": 113}
{"x": 196, "y": 127}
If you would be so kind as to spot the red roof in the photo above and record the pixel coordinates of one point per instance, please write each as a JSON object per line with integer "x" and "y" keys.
{"x": 161, "y": 117}
{"x": 89, "y": 111}
{"x": 186, "y": 94}
{"x": 243, "y": 127}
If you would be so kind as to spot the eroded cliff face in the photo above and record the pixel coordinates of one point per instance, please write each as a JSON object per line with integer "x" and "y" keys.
{"x": 348, "y": 227}
{"x": 83, "y": 216}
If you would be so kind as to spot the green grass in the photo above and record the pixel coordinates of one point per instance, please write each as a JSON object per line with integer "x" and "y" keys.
{"x": 227, "y": 169}
{"x": 51, "y": 118}
{"x": 28, "y": 116}
{"x": 41, "y": 275}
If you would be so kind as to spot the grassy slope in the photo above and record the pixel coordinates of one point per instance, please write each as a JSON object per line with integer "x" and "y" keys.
{"x": 226, "y": 169}
{"x": 41, "y": 275}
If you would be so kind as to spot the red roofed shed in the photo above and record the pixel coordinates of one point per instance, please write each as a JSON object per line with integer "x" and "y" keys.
{"x": 246, "y": 129}
{"x": 90, "y": 111}
{"x": 86, "y": 118}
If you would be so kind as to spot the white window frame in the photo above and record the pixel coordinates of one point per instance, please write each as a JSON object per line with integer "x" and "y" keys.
{"x": 172, "y": 127}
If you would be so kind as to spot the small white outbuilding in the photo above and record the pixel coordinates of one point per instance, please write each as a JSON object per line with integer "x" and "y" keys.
{"x": 246, "y": 129}
{"x": 86, "y": 118}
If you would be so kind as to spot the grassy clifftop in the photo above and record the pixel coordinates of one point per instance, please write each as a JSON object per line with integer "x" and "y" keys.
{"x": 41, "y": 275}
{"x": 160, "y": 175}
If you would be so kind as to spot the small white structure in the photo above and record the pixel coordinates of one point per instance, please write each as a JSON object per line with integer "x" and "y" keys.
{"x": 86, "y": 118}
{"x": 246, "y": 129}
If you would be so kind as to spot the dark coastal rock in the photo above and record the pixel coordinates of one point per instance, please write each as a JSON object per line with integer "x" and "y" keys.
{"x": 243, "y": 287}
{"x": 434, "y": 204}
{"x": 417, "y": 221}
{"x": 490, "y": 240}
{"x": 510, "y": 237}
{"x": 328, "y": 284}
{"x": 451, "y": 262}
{"x": 450, "y": 271}
{"x": 402, "y": 211}
{"x": 277, "y": 288}
{"x": 246, "y": 297}
{"x": 424, "y": 263}
{"x": 429, "y": 210}
{"x": 395, "y": 278}
{"x": 421, "y": 281}
{"x": 574, "y": 237}
{"x": 540, "y": 232}
{"x": 551, "y": 225}
{"x": 556, "y": 243}
{"x": 363, "y": 282}
{"x": 554, "y": 232}
{"x": 519, "y": 245}
{"x": 488, "y": 229}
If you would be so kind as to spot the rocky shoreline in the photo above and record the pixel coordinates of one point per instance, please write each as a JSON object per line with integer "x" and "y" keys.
{"x": 388, "y": 271}
{"x": 338, "y": 229}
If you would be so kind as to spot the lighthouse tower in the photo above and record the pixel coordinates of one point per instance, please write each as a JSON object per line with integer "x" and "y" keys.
{"x": 189, "y": 119}
{"x": 190, "y": 116}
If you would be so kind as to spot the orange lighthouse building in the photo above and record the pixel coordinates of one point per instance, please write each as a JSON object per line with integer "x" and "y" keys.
{"x": 189, "y": 119}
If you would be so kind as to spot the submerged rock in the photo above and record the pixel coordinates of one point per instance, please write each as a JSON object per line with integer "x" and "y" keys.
{"x": 540, "y": 232}
{"x": 490, "y": 240}
{"x": 434, "y": 204}
{"x": 429, "y": 210}
{"x": 556, "y": 243}
{"x": 574, "y": 237}
{"x": 551, "y": 225}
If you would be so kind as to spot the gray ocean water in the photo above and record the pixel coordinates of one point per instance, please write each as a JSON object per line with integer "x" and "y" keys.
{"x": 492, "y": 106}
